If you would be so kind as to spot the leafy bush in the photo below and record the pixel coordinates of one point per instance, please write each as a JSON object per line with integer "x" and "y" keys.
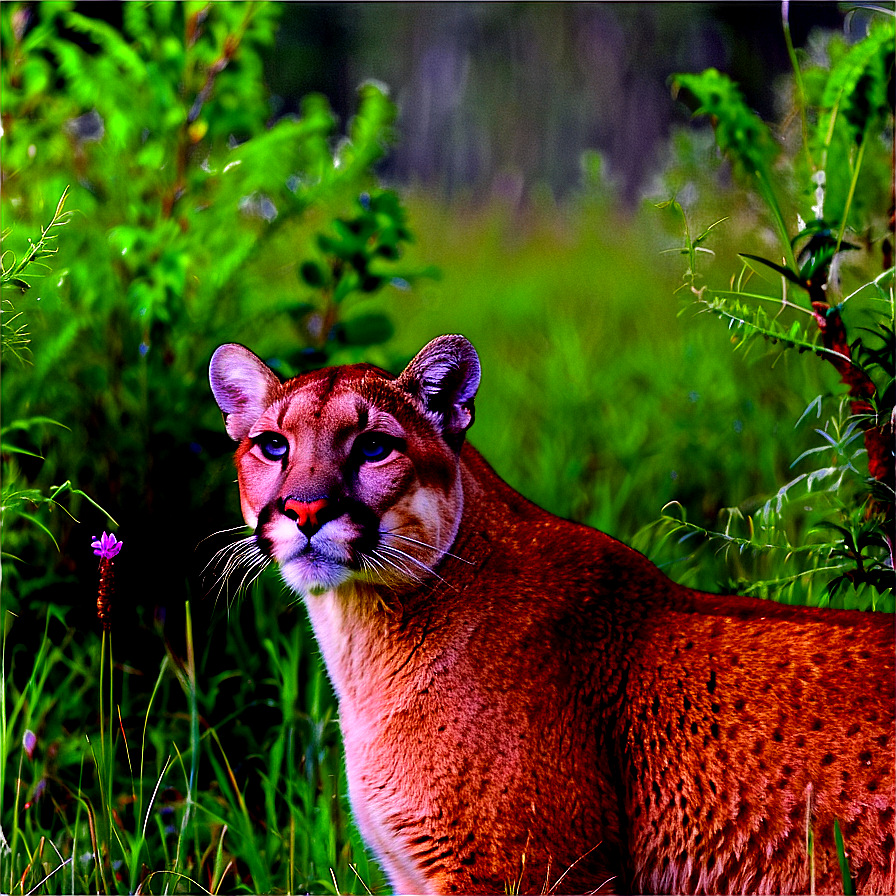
{"x": 833, "y": 180}
{"x": 179, "y": 189}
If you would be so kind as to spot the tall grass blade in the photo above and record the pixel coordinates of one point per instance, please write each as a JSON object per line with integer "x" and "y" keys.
{"x": 848, "y": 885}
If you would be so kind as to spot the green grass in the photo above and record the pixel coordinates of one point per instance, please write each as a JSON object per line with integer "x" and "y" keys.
{"x": 251, "y": 803}
{"x": 603, "y": 396}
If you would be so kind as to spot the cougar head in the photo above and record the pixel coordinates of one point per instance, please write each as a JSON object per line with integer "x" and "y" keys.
{"x": 348, "y": 472}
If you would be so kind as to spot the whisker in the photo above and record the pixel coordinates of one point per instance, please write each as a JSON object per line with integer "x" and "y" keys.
{"x": 372, "y": 565}
{"x": 374, "y": 569}
{"x": 366, "y": 568}
{"x": 390, "y": 562}
{"x": 415, "y": 561}
{"x": 242, "y": 554}
{"x": 252, "y": 561}
{"x": 221, "y": 532}
{"x": 423, "y": 544}
{"x": 387, "y": 563}
{"x": 251, "y": 574}
{"x": 242, "y": 545}
{"x": 404, "y": 555}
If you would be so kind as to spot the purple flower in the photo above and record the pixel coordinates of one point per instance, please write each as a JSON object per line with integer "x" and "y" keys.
{"x": 106, "y": 547}
{"x": 29, "y": 742}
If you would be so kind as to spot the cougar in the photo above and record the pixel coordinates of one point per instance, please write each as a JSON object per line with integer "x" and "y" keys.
{"x": 528, "y": 705}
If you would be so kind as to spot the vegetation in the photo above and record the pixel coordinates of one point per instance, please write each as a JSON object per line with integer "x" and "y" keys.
{"x": 187, "y": 739}
{"x": 828, "y": 296}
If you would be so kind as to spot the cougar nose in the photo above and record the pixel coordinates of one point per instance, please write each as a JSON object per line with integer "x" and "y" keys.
{"x": 308, "y": 515}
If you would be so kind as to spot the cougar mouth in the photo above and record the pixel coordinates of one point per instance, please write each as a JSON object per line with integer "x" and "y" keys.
{"x": 333, "y": 554}
{"x": 357, "y": 544}
{"x": 311, "y": 571}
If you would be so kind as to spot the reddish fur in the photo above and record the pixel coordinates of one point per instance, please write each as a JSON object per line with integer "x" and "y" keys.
{"x": 680, "y": 731}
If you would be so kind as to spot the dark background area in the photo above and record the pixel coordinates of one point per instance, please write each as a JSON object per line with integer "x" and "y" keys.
{"x": 500, "y": 97}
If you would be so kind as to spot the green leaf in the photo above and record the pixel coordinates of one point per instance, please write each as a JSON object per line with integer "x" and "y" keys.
{"x": 740, "y": 133}
{"x": 783, "y": 271}
{"x": 331, "y": 246}
{"x": 857, "y": 84}
{"x": 699, "y": 239}
{"x": 30, "y": 422}
{"x": 848, "y": 887}
{"x": 40, "y": 525}
{"x": 12, "y": 449}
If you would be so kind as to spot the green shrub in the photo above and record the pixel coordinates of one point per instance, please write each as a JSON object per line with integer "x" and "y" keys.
{"x": 178, "y": 189}
{"x": 826, "y": 296}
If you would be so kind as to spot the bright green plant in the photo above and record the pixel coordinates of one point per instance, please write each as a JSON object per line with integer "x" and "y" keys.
{"x": 183, "y": 197}
{"x": 15, "y": 498}
{"x": 823, "y": 287}
{"x": 13, "y": 331}
{"x": 355, "y": 258}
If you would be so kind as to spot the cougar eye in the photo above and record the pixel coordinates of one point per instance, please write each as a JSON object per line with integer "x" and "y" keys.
{"x": 273, "y": 446}
{"x": 374, "y": 446}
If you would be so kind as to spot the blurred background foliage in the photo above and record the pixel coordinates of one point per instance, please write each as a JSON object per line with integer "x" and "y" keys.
{"x": 176, "y": 176}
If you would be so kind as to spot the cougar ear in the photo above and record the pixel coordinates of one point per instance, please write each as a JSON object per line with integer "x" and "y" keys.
{"x": 444, "y": 378}
{"x": 242, "y": 385}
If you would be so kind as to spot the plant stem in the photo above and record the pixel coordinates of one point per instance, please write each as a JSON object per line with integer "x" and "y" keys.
{"x": 798, "y": 80}
{"x": 849, "y": 197}
{"x": 190, "y": 678}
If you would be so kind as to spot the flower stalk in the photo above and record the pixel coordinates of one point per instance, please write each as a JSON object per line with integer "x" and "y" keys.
{"x": 106, "y": 548}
